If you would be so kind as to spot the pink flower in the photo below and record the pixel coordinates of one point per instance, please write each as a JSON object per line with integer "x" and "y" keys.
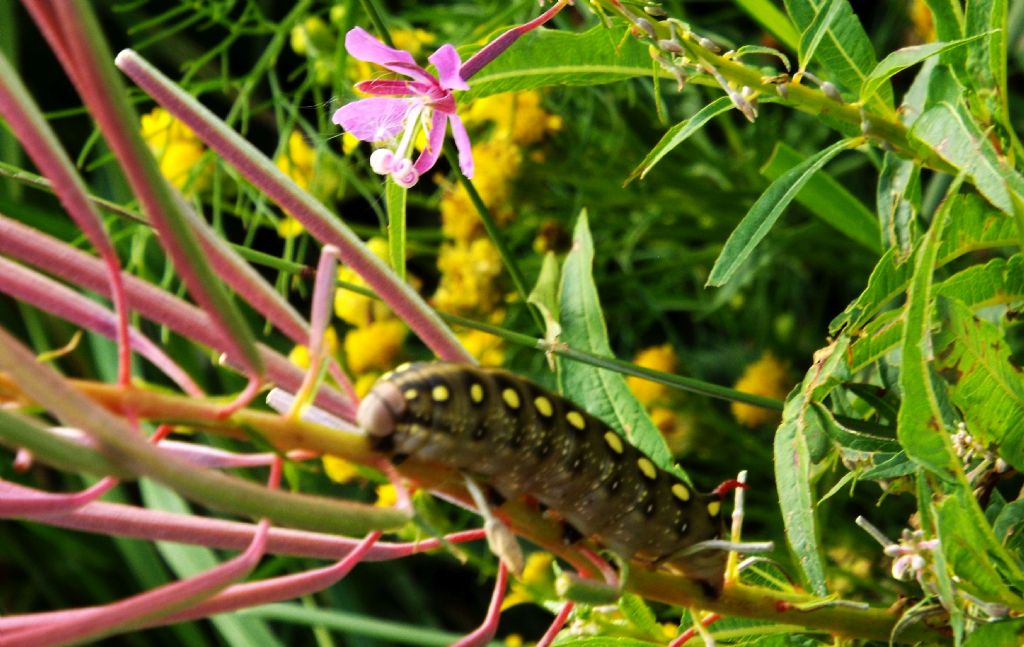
{"x": 399, "y": 109}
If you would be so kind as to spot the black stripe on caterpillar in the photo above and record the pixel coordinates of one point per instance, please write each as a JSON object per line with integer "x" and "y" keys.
{"x": 524, "y": 440}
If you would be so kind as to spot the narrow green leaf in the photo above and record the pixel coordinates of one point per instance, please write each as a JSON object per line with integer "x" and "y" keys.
{"x": 636, "y": 611}
{"x": 395, "y": 199}
{"x": 545, "y": 296}
{"x": 1003, "y": 632}
{"x": 768, "y": 16}
{"x": 761, "y": 217}
{"x": 800, "y": 430}
{"x": 984, "y": 567}
{"x": 815, "y": 32}
{"x": 827, "y": 199}
{"x": 986, "y": 60}
{"x": 952, "y": 134}
{"x": 901, "y": 59}
{"x": 601, "y": 392}
{"x": 897, "y": 202}
{"x": 547, "y": 57}
{"x": 1000, "y": 281}
{"x": 677, "y": 134}
{"x": 920, "y": 427}
{"x": 985, "y": 385}
{"x": 845, "y": 51}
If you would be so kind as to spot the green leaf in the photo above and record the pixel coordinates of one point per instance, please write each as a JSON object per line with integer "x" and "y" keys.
{"x": 395, "y": 199}
{"x": 920, "y": 428}
{"x": 948, "y": 18}
{"x": 827, "y": 199}
{"x": 984, "y": 567}
{"x": 897, "y": 202}
{"x": 545, "y": 296}
{"x": 988, "y": 389}
{"x": 604, "y": 642}
{"x": 602, "y": 392}
{"x": 901, "y": 59}
{"x": 547, "y": 57}
{"x": 845, "y": 51}
{"x": 768, "y": 16}
{"x": 986, "y": 60}
{"x": 759, "y": 220}
{"x": 1003, "y": 632}
{"x": 679, "y": 133}
{"x": 761, "y": 49}
{"x": 952, "y": 134}
{"x": 815, "y": 32}
{"x": 636, "y": 611}
{"x": 800, "y": 430}
{"x": 1000, "y": 281}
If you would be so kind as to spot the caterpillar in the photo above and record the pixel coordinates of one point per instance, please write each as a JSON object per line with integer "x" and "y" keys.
{"x": 523, "y": 440}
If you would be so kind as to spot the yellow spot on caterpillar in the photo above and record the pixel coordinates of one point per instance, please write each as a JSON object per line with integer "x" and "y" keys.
{"x": 613, "y": 441}
{"x": 411, "y": 394}
{"x": 440, "y": 393}
{"x": 511, "y": 398}
{"x": 714, "y": 507}
{"x": 476, "y": 392}
{"x": 543, "y": 405}
{"x": 647, "y": 467}
{"x": 387, "y": 376}
{"x": 402, "y": 367}
{"x": 575, "y": 419}
{"x": 681, "y": 492}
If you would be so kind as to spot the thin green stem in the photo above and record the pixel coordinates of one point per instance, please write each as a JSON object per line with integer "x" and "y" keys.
{"x": 499, "y": 242}
{"x": 378, "y": 21}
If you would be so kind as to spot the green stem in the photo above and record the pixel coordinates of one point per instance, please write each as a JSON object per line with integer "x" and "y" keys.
{"x": 492, "y": 230}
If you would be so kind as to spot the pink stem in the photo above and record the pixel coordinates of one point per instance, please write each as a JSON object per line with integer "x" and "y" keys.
{"x": 115, "y": 519}
{"x": 92, "y": 622}
{"x": 41, "y": 503}
{"x": 692, "y": 631}
{"x": 46, "y": 294}
{"x": 286, "y": 587}
{"x": 556, "y": 625}
{"x": 252, "y": 388}
{"x": 485, "y": 632}
{"x": 56, "y": 257}
{"x": 494, "y": 48}
{"x": 607, "y": 572}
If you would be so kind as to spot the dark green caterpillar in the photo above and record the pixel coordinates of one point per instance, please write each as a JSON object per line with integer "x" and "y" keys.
{"x": 523, "y": 440}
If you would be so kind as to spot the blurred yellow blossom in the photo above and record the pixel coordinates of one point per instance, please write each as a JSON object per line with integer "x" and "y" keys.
{"x": 469, "y": 273}
{"x": 177, "y": 149}
{"x": 487, "y": 348}
{"x": 497, "y": 165}
{"x": 311, "y": 37}
{"x": 349, "y": 143}
{"x": 374, "y": 346}
{"x": 339, "y": 470}
{"x": 289, "y": 227}
{"x": 387, "y": 496}
{"x": 767, "y": 377}
{"x": 355, "y": 308}
{"x": 517, "y": 116}
{"x": 537, "y": 582}
{"x": 299, "y": 355}
{"x": 677, "y": 429}
{"x": 513, "y": 640}
{"x": 298, "y": 160}
{"x": 659, "y": 358}
{"x": 364, "y": 383}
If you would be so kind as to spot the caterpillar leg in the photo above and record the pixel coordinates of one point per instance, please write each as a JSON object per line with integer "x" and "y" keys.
{"x": 501, "y": 540}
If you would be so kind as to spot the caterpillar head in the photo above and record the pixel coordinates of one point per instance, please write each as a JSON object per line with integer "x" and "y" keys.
{"x": 380, "y": 408}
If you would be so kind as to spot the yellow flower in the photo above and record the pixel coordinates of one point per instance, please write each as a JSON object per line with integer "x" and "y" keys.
{"x": 767, "y": 377}
{"x": 517, "y": 116}
{"x": 355, "y": 308}
{"x": 339, "y": 470}
{"x": 469, "y": 273}
{"x": 412, "y": 40}
{"x": 349, "y": 143}
{"x": 678, "y": 430}
{"x": 497, "y": 165}
{"x": 659, "y": 358}
{"x": 387, "y": 496}
{"x": 484, "y": 346}
{"x": 374, "y": 346}
{"x": 312, "y": 37}
{"x": 537, "y": 582}
{"x": 178, "y": 150}
{"x": 299, "y": 355}
{"x": 513, "y": 640}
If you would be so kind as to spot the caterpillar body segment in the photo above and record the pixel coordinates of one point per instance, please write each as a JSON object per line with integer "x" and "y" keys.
{"x": 523, "y": 440}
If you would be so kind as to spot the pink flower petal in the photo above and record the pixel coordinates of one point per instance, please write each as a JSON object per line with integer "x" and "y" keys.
{"x": 373, "y": 120}
{"x": 428, "y": 157}
{"x": 463, "y": 145}
{"x": 447, "y": 62}
{"x": 389, "y": 87}
{"x": 365, "y": 47}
